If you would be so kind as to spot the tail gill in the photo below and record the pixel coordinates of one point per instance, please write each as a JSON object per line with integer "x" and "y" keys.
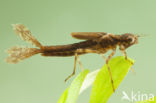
{"x": 17, "y": 54}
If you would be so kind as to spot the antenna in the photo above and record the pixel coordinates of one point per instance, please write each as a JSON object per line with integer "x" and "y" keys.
{"x": 143, "y": 35}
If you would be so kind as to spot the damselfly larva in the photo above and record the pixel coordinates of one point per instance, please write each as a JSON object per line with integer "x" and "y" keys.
{"x": 94, "y": 42}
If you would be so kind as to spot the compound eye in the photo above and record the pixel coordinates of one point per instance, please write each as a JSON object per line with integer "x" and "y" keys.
{"x": 131, "y": 39}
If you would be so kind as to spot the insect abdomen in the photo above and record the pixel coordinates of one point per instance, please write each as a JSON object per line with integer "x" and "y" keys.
{"x": 61, "y": 54}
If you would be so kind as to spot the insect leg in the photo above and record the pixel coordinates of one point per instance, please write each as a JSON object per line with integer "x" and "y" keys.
{"x": 75, "y": 62}
{"x": 122, "y": 48}
{"x": 109, "y": 70}
{"x": 78, "y": 59}
{"x": 77, "y": 52}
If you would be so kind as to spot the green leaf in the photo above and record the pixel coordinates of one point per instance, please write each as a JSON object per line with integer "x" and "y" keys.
{"x": 89, "y": 80}
{"x": 102, "y": 87}
{"x": 63, "y": 98}
{"x": 152, "y": 100}
{"x": 71, "y": 94}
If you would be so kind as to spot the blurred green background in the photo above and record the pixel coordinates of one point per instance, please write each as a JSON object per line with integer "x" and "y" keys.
{"x": 41, "y": 79}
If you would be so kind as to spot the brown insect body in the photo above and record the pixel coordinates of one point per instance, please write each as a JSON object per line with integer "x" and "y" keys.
{"x": 95, "y": 42}
{"x": 100, "y": 45}
{"x": 67, "y": 50}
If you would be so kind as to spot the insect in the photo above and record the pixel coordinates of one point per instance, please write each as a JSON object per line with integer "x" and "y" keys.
{"x": 94, "y": 42}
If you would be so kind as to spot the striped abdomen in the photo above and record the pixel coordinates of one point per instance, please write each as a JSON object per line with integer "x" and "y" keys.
{"x": 67, "y": 50}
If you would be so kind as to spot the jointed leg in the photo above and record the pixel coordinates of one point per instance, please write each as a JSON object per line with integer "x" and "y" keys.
{"x": 109, "y": 57}
{"x": 79, "y": 51}
{"x": 80, "y": 64}
{"x": 75, "y": 62}
{"x": 109, "y": 70}
{"x": 122, "y": 48}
